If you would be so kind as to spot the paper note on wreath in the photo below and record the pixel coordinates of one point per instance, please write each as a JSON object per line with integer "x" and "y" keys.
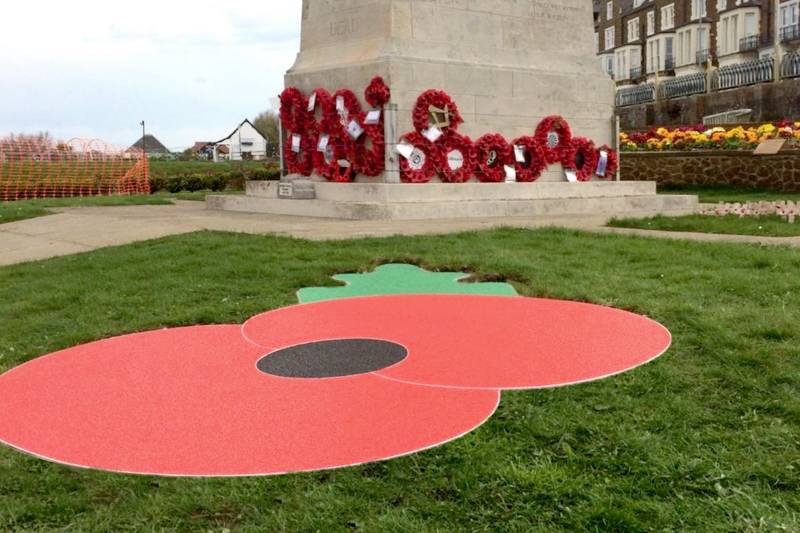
{"x": 355, "y": 130}
{"x": 323, "y": 142}
{"x": 373, "y": 117}
{"x": 312, "y": 103}
{"x": 405, "y": 150}
{"x": 433, "y": 134}
{"x": 296, "y": 140}
{"x": 572, "y": 176}
{"x": 519, "y": 153}
{"x": 770, "y": 147}
{"x": 511, "y": 174}
{"x": 602, "y": 164}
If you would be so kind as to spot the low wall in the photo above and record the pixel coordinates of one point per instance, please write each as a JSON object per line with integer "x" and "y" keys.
{"x": 714, "y": 169}
{"x": 769, "y": 102}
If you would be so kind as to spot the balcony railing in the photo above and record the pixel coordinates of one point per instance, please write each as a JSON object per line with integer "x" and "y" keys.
{"x": 703, "y": 56}
{"x": 749, "y": 43}
{"x": 790, "y": 33}
{"x": 636, "y": 73}
{"x": 683, "y": 86}
{"x": 790, "y": 67}
{"x": 639, "y": 94}
{"x": 741, "y": 74}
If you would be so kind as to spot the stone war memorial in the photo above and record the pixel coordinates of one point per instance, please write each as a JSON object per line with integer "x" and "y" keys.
{"x": 425, "y": 109}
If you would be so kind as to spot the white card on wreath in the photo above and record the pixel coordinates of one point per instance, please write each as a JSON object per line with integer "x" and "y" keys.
{"x": 433, "y": 134}
{"x": 340, "y": 104}
{"x": 312, "y": 102}
{"x": 296, "y": 139}
{"x": 511, "y": 174}
{"x": 355, "y": 130}
{"x": 322, "y": 145}
{"x": 602, "y": 165}
{"x": 519, "y": 153}
{"x": 572, "y": 176}
{"x": 344, "y": 163}
{"x": 373, "y": 117}
{"x": 405, "y": 150}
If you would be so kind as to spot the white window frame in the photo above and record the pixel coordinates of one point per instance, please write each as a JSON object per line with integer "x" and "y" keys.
{"x": 668, "y": 17}
{"x": 633, "y": 30}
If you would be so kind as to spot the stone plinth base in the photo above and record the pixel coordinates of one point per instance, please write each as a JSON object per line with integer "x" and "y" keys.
{"x": 378, "y": 201}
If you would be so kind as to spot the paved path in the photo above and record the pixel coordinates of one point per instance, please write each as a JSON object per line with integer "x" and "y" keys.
{"x": 75, "y": 230}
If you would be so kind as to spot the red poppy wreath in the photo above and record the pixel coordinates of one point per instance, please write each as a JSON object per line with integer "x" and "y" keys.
{"x": 529, "y": 159}
{"x": 555, "y": 137}
{"x": 456, "y": 157}
{"x": 583, "y": 158}
{"x": 494, "y": 154}
{"x": 418, "y": 164}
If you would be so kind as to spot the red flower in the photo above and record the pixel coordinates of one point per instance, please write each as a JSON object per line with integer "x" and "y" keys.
{"x": 370, "y": 149}
{"x": 377, "y": 93}
{"x": 440, "y": 100}
{"x": 456, "y": 157}
{"x": 294, "y": 110}
{"x": 302, "y": 162}
{"x": 420, "y": 167}
{"x": 613, "y": 162}
{"x": 337, "y": 162}
{"x": 493, "y": 153}
{"x": 555, "y": 137}
{"x": 582, "y": 158}
{"x": 531, "y": 170}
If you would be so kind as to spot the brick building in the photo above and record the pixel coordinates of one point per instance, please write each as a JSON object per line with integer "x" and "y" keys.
{"x": 645, "y": 41}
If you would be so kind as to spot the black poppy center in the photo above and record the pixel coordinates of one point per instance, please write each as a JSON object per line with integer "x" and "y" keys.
{"x": 331, "y": 359}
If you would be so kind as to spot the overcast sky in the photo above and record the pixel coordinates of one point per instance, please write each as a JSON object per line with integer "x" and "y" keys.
{"x": 192, "y": 70}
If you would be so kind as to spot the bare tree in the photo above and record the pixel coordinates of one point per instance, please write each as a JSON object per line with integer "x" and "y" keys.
{"x": 268, "y": 123}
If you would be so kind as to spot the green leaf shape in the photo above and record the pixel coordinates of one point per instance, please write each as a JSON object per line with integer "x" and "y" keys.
{"x": 390, "y": 280}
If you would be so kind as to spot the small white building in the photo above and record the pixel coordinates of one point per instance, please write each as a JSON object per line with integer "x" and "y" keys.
{"x": 245, "y": 143}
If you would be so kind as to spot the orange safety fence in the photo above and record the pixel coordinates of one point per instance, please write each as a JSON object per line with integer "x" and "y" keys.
{"x": 33, "y": 167}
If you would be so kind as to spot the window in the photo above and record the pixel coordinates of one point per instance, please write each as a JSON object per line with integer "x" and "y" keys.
{"x": 609, "y": 10}
{"x": 637, "y": 3}
{"x": 651, "y": 23}
{"x": 722, "y": 5}
{"x": 750, "y": 25}
{"x": 698, "y": 9}
{"x": 609, "y": 38}
{"x": 790, "y": 15}
{"x": 668, "y": 17}
{"x": 653, "y": 56}
{"x": 633, "y": 30}
{"x": 609, "y": 64}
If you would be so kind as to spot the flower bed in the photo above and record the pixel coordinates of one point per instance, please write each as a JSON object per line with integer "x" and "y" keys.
{"x": 701, "y": 138}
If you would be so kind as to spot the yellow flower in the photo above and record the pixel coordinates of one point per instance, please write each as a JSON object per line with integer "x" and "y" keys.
{"x": 662, "y": 132}
{"x": 766, "y": 128}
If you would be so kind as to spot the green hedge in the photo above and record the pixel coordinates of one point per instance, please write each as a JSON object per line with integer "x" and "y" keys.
{"x": 224, "y": 179}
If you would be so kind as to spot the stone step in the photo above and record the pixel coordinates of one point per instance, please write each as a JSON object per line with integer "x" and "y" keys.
{"x": 447, "y": 192}
{"x": 620, "y": 206}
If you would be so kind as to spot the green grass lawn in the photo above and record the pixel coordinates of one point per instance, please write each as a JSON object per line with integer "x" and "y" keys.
{"x": 24, "y": 209}
{"x": 706, "y": 439}
{"x": 731, "y": 195}
{"x": 768, "y": 226}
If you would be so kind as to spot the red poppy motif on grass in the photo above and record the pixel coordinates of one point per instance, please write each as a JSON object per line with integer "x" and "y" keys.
{"x": 315, "y": 386}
